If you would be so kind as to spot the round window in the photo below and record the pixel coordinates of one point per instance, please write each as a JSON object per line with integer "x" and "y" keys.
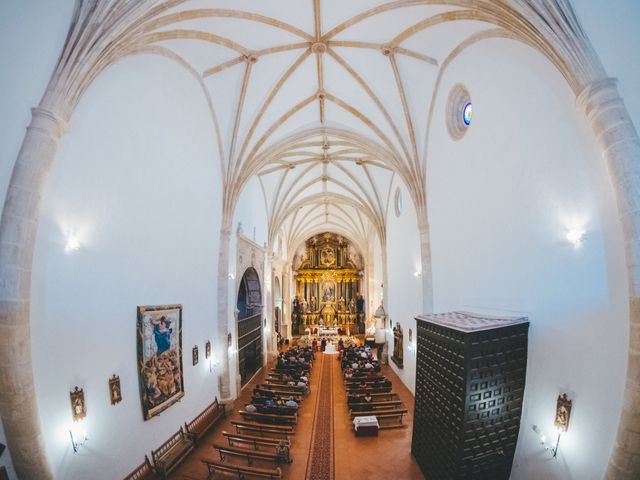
{"x": 467, "y": 112}
{"x": 459, "y": 112}
{"x": 397, "y": 202}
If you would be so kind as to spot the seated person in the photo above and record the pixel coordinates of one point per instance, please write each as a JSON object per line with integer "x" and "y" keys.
{"x": 291, "y": 403}
{"x": 269, "y": 403}
{"x": 368, "y": 366}
{"x": 368, "y": 397}
{"x": 282, "y": 451}
{"x": 304, "y": 378}
{"x": 250, "y": 408}
{"x": 348, "y": 374}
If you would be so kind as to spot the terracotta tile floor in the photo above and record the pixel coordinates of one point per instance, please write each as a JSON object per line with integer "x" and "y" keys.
{"x": 387, "y": 456}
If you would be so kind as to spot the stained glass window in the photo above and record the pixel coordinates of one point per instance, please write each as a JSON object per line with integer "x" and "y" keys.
{"x": 467, "y": 113}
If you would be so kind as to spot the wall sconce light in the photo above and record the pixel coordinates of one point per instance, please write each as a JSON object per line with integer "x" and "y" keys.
{"x": 575, "y": 236}
{"x": 207, "y": 349}
{"x": 77, "y": 440}
{"x": 78, "y": 412}
{"x": 560, "y": 423}
{"x": 232, "y": 276}
{"x": 417, "y": 273}
{"x": 73, "y": 244}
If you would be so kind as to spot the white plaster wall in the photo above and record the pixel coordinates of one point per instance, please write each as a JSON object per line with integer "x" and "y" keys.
{"x": 137, "y": 179}
{"x": 403, "y": 290}
{"x": 500, "y": 203}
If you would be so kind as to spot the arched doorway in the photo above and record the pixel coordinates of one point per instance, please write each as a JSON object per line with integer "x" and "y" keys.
{"x": 277, "y": 308}
{"x": 249, "y": 307}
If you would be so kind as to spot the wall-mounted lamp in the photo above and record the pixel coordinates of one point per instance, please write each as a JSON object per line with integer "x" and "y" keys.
{"x": 560, "y": 423}
{"x": 575, "y": 236}
{"x": 77, "y": 439}
{"x": 73, "y": 244}
{"x": 417, "y": 273}
{"x": 232, "y": 276}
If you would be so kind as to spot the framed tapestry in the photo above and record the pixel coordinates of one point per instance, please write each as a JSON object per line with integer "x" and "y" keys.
{"x": 159, "y": 333}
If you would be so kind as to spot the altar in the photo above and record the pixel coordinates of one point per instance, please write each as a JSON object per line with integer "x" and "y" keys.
{"x": 327, "y": 331}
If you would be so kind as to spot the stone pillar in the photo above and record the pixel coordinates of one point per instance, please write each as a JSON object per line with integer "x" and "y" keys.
{"x": 222, "y": 327}
{"x": 287, "y": 313}
{"x": 18, "y": 227}
{"x": 425, "y": 258}
{"x": 620, "y": 145}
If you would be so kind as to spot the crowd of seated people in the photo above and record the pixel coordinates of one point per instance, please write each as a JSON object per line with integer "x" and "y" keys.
{"x": 358, "y": 359}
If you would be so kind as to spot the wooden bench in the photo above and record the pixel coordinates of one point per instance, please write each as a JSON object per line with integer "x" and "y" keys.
{"x": 144, "y": 472}
{"x": 169, "y": 455}
{"x": 200, "y": 425}
{"x": 382, "y": 415}
{"x": 249, "y": 455}
{"x": 378, "y": 397}
{"x": 355, "y": 391}
{"x": 241, "y": 471}
{"x": 275, "y": 390}
{"x": 263, "y": 428}
{"x": 252, "y": 440}
{"x": 355, "y": 406}
{"x": 272, "y": 417}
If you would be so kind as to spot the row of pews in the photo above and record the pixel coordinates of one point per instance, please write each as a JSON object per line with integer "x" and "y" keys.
{"x": 168, "y": 456}
{"x": 263, "y": 432}
{"x": 369, "y": 393}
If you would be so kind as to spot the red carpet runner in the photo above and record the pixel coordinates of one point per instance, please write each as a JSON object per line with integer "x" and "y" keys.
{"x": 321, "y": 458}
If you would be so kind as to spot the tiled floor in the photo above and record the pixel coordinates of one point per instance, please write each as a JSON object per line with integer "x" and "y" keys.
{"x": 387, "y": 456}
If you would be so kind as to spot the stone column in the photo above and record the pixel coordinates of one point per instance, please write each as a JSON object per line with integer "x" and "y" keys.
{"x": 222, "y": 327}
{"x": 18, "y": 227}
{"x": 620, "y": 145}
{"x": 425, "y": 258}
{"x": 287, "y": 306}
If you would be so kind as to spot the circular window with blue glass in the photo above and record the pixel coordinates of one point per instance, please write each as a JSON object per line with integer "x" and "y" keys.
{"x": 459, "y": 112}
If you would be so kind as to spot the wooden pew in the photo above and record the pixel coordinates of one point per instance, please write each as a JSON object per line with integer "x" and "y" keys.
{"x": 384, "y": 414}
{"x": 263, "y": 428}
{"x": 377, "y": 397}
{"x": 200, "y": 425}
{"x": 284, "y": 386}
{"x": 270, "y": 417}
{"x": 264, "y": 388}
{"x": 356, "y": 391}
{"x": 262, "y": 399}
{"x": 241, "y": 471}
{"x": 249, "y": 455}
{"x": 356, "y": 407}
{"x": 252, "y": 440}
{"x": 169, "y": 455}
{"x": 144, "y": 472}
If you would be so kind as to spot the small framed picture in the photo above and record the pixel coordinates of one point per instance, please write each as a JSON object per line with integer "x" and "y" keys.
{"x": 78, "y": 407}
{"x": 207, "y": 349}
{"x": 115, "y": 392}
{"x": 195, "y": 355}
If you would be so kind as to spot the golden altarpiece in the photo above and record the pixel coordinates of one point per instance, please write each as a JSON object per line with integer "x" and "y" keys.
{"x": 328, "y": 287}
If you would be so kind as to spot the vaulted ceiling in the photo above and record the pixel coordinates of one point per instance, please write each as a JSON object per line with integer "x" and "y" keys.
{"x": 325, "y": 100}
{"x": 286, "y": 78}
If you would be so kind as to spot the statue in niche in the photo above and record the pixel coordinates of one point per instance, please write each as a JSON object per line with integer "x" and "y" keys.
{"x": 341, "y": 304}
{"x": 305, "y": 305}
{"x": 313, "y": 303}
{"x": 398, "y": 347}
{"x": 352, "y": 305}
{"x": 360, "y": 304}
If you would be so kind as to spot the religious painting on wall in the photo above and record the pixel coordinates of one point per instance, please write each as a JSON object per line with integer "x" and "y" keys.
{"x": 78, "y": 407}
{"x": 159, "y": 357}
{"x": 115, "y": 392}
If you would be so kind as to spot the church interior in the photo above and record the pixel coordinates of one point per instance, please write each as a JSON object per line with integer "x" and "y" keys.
{"x": 319, "y": 239}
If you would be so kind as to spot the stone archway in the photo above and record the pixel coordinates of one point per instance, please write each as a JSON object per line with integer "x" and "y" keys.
{"x": 249, "y": 325}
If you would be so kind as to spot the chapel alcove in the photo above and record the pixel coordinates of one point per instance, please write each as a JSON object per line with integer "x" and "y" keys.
{"x": 249, "y": 307}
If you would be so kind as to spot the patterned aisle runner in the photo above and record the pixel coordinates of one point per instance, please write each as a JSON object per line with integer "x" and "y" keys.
{"x": 321, "y": 456}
